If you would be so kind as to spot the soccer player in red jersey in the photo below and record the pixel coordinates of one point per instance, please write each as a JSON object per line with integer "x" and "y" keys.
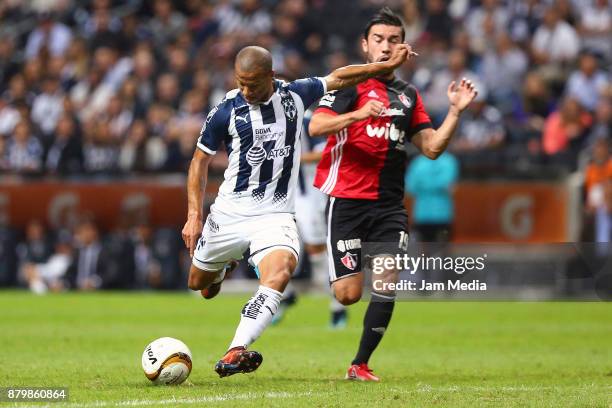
{"x": 363, "y": 167}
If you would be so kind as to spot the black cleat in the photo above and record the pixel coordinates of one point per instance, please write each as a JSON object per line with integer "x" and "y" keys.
{"x": 238, "y": 360}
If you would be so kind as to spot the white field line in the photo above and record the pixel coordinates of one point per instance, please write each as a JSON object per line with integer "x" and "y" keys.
{"x": 173, "y": 401}
{"x": 420, "y": 388}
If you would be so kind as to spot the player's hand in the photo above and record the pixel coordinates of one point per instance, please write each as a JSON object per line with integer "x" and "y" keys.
{"x": 401, "y": 53}
{"x": 370, "y": 109}
{"x": 460, "y": 96}
{"x": 191, "y": 232}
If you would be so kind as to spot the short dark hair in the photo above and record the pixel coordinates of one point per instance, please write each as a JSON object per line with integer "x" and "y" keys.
{"x": 384, "y": 16}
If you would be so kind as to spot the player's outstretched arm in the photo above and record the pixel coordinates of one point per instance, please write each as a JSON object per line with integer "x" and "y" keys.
{"x": 353, "y": 74}
{"x": 325, "y": 124}
{"x": 196, "y": 185}
{"x": 432, "y": 143}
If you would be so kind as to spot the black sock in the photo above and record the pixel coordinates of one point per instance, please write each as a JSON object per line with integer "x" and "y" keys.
{"x": 375, "y": 324}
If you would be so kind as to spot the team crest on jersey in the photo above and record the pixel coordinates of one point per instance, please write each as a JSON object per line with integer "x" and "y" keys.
{"x": 405, "y": 100}
{"x": 289, "y": 107}
{"x": 349, "y": 260}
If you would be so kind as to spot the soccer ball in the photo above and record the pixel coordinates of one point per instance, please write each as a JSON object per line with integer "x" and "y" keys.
{"x": 166, "y": 361}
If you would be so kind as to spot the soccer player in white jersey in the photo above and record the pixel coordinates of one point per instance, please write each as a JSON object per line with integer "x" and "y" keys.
{"x": 260, "y": 124}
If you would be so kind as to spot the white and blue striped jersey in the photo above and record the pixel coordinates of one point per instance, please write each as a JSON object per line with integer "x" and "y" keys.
{"x": 264, "y": 147}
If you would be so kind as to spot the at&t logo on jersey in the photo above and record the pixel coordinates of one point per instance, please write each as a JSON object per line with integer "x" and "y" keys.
{"x": 257, "y": 154}
{"x": 389, "y": 131}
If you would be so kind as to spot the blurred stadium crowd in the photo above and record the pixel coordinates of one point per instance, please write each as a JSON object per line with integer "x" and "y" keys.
{"x": 108, "y": 88}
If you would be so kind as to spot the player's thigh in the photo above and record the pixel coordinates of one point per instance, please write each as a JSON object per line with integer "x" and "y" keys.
{"x": 268, "y": 233}
{"x": 222, "y": 240}
{"x": 346, "y": 227}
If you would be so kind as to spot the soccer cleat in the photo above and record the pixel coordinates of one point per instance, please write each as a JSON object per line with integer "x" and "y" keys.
{"x": 360, "y": 372}
{"x": 238, "y": 360}
{"x": 214, "y": 289}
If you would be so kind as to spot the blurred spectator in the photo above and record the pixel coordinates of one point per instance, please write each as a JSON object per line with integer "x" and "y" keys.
{"x": 100, "y": 149}
{"x": 9, "y": 58}
{"x": 588, "y": 83}
{"x": 602, "y": 125}
{"x": 535, "y": 104}
{"x": 24, "y": 153}
{"x": 564, "y": 130}
{"x": 147, "y": 267}
{"x": 439, "y": 25}
{"x": 9, "y": 117}
{"x": 65, "y": 155}
{"x": 88, "y": 267}
{"x": 103, "y": 29}
{"x": 525, "y": 18}
{"x": 166, "y": 23}
{"x": 480, "y": 133}
{"x": 598, "y": 172}
{"x": 436, "y": 99}
{"x": 430, "y": 183}
{"x": 118, "y": 118}
{"x": 244, "y": 20}
{"x": 603, "y": 217}
{"x": 36, "y": 248}
{"x": 555, "y": 43}
{"x": 595, "y": 27}
{"x": 49, "y": 275}
{"x": 51, "y": 36}
{"x": 48, "y": 107}
{"x": 413, "y": 21}
{"x": 503, "y": 71}
{"x": 484, "y": 23}
{"x": 168, "y": 91}
{"x": 140, "y": 153}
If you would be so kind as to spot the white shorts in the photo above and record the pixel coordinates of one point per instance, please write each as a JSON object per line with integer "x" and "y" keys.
{"x": 225, "y": 238}
{"x": 310, "y": 216}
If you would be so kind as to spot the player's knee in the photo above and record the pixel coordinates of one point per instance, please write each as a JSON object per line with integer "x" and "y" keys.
{"x": 195, "y": 282}
{"x": 199, "y": 280}
{"x": 347, "y": 295}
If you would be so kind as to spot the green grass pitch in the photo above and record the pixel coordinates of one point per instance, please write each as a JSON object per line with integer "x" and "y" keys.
{"x": 434, "y": 354}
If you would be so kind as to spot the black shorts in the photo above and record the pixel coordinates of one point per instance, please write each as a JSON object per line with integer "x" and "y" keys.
{"x": 351, "y": 222}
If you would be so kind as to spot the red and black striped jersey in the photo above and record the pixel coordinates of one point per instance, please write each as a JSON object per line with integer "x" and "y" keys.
{"x": 367, "y": 160}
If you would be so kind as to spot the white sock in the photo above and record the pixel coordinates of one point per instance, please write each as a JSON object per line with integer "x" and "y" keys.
{"x": 256, "y": 316}
{"x": 319, "y": 264}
